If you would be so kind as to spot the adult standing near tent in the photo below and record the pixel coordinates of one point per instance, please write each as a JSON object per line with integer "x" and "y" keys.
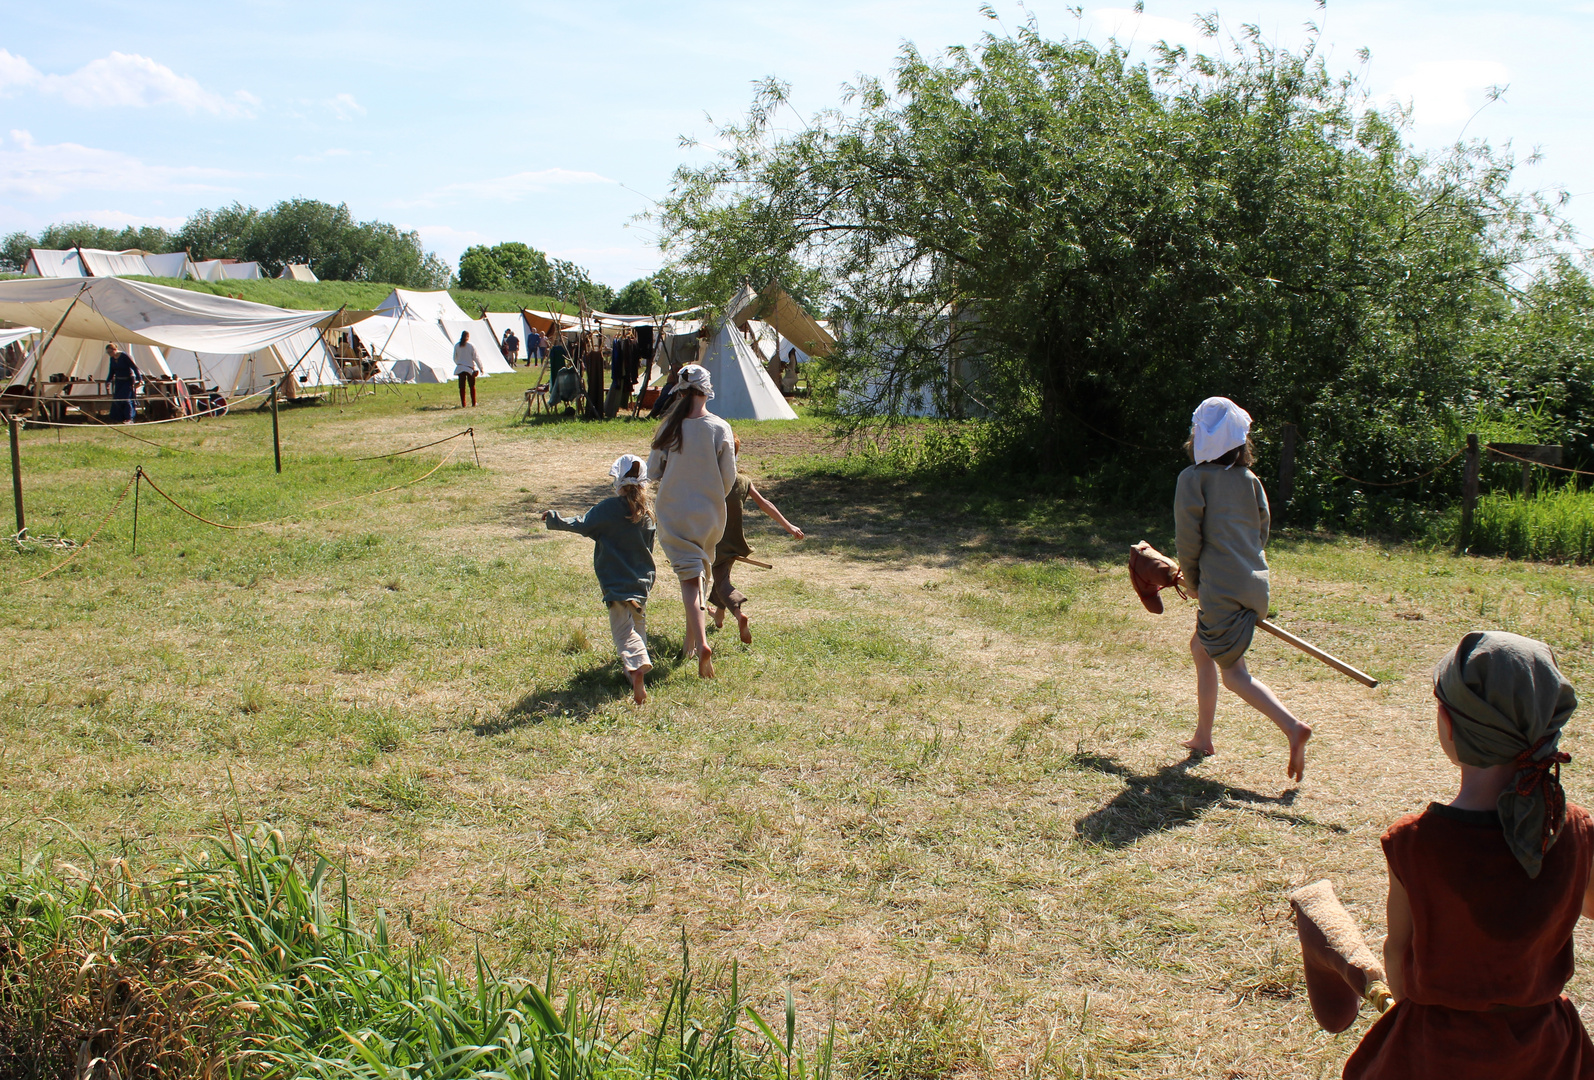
{"x": 694, "y": 461}
{"x": 510, "y": 347}
{"x": 534, "y": 346}
{"x": 123, "y": 373}
{"x": 467, "y": 365}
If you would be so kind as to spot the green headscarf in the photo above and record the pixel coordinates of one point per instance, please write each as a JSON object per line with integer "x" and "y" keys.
{"x": 1508, "y": 702}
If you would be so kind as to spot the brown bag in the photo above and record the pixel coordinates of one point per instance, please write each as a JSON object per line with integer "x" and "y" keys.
{"x": 1150, "y": 571}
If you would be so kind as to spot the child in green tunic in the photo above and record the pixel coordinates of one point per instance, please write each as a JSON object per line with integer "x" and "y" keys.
{"x": 622, "y": 527}
{"x": 1221, "y": 525}
{"x": 733, "y": 543}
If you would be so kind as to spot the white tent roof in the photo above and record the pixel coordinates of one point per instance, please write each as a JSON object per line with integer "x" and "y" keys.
{"x": 16, "y": 333}
{"x": 775, "y": 307}
{"x": 481, "y": 336}
{"x": 222, "y": 270}
{"x": 298, "y": 272}
{"x": 113, "y": 263}
{"x": 510, "y": 320}
{"x": 417, "y": 350}
{"x": 136, "y": 312}
{"x": 239, "y": 374}
{"x": 743, "y": 390}
{"x": 45, "y": 262}
{"x": 425, "y": 306}
{"x": 172, "y": 265}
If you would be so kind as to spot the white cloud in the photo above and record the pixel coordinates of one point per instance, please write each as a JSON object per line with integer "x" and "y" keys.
{"x": 125, "y": 80}
{"x": 507, "y": 188}
{"x": 1138, "y": 29}
{"x": 344, "y": 107}
{"x": 32, "y": 170}
{"x": 1449, "y": 91}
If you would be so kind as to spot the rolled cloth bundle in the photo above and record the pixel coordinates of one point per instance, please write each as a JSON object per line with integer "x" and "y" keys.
{"x": 1341, "y": 971}
{"x": 1508, "y": 701}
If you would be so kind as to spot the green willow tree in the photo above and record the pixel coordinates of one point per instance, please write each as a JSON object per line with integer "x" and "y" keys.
{"x": 1079, "y": 248}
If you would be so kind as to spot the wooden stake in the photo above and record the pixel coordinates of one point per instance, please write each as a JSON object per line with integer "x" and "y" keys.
{"x": 1469, "y": 492}
{"x": 16, "y": 479}
{"x": 1317, "y": 654}
{"x": 276, "y": 442}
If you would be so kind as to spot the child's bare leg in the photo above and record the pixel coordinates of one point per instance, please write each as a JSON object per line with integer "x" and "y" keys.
{"x": 1257, "y": 695}
{"x": 744, "y": 631}
{"x": 696, "y": 626}
{"x": 719, "y": 616}
{"x": 1206, "y": 681}
{"x": 639, "y": 693}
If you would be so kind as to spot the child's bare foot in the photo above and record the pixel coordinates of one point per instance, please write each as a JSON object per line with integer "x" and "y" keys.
{"x": 746, "y": 631}
{"x": 719, "y": 617}
{"x": 1298, "y": 738}
{"x": 705, "y": 663}
{"x": 639, "y": 693}
{"x": 1200, "y": 746}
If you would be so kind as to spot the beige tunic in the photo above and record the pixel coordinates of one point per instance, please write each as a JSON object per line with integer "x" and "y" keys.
{"x": 693, "y": 482}
{"x": 1221, "y": 527}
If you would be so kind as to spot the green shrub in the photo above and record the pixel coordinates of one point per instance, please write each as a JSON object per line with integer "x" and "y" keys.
{"x": 1556, "y": 525}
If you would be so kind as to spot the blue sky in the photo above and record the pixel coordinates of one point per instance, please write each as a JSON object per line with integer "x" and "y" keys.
{"x": 554, "y": 124}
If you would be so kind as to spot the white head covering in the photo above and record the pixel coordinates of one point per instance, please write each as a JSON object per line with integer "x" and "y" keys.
{"x": 696, "y": 376}
{"x": 622, "y": 466}
{"x": 1217, "y": 426}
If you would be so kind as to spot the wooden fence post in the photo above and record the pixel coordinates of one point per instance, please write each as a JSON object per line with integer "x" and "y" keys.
{"x": 1469, "y": 491}
{"x": 16, "y": 478}
{"x": 276, "y": 441}
{"x": 1286, "y": 469}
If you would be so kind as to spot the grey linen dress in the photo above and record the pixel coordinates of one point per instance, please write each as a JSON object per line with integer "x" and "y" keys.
{"x": 693, "y": 483}
{"x": 1221, "y": 527}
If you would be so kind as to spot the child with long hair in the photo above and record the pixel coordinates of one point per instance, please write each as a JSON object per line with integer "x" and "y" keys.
{"x": 1484, "y": 892}
{"x": 1221, "y": 526}
{"x": 733, "y": 544}
{"x": 622, "y": 556}
{"x": 694, "y": 462}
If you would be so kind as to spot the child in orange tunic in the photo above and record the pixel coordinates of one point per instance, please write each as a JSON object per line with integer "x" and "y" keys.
{"x": 1484, "y": 892}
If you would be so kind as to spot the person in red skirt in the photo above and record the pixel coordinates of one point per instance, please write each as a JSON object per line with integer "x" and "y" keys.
{"x": 1484, "y": 892}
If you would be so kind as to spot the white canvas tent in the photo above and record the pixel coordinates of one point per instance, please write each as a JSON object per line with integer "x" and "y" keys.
{"x": 171, "y": 265}
{"x": 304, "y": 354}
{"x": 512, "y": 320}
{"x": 411, "y": 350}
{"x": 481, "y": 336}
{"x": 743, "y": 390}
{"x": 224, "y": 270}
{"x": 15, "y": 334}
{"x": 425, "y": 306}
{"x": 297, "y": 272}
{"x": 82, "y": 358}
{"x": 45, "y": 262}
{"x": 99, "y": 264}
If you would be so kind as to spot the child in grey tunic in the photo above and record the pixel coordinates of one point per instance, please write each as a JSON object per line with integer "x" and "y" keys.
{"x": 1221, "y": 525}
{"x": 622, "y": 530}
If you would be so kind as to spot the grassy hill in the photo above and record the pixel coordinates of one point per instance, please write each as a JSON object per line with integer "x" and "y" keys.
{"x": 359, "y": 295}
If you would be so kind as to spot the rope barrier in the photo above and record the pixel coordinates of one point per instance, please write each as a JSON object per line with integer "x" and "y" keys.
{"x": 150, "y": 480}
{"x": 106, "y": 520}
{"x": 1397, "y": 483}
{"x": 218, "y": 410}
{"x": 400, "y": 453}
{"x": 117, "y": 428}
{"x": 1529, "y": 461}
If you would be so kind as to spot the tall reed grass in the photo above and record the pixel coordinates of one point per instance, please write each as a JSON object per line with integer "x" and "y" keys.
{"x": 1556, "y": 525}
{"x": 237, "y": 965}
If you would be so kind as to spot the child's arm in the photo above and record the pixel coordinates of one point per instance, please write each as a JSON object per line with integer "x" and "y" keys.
{"x": 1189, "y": 512}
{"x": 579, "y": 525}
{"x": 769, "y": 508}
{"x": 1262, "y": 509}
{"x": 1399, "y": 939}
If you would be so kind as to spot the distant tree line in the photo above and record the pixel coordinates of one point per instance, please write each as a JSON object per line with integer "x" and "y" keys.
{"x": 324, "y": 236}
{"x": 1077, "y": 248}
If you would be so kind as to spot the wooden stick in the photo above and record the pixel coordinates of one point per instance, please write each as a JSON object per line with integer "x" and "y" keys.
{"x": 1313, "y": 651}
{"x": 755, "y": 562}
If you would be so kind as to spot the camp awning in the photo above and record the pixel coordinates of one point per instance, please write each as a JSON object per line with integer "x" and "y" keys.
{"x": 776, "y": 307}
{"x": 16, "y": 333}
{"x": 425, "y": 306}
{"x": 139, "y": 313}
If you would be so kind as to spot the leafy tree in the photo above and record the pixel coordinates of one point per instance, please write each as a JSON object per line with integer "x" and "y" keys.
{"x": 640, "y": 297}
{"x": 520, "y": 267}
{"x": 218, "y": 234}
{"x": 1080, "y": 249}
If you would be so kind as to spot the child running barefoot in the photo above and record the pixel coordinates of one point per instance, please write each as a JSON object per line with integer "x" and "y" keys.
{"x": 694, "y": 462}
{"x": 1221, "y": 525}
{"x": 732, "y": 544}
{"x": 622, "y": 556}
{"x": 1484, "y": 892}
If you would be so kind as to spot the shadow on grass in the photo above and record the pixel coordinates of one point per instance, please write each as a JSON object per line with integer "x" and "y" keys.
{"x": 1168, "y": 799}
{"x": 588, "y": 691}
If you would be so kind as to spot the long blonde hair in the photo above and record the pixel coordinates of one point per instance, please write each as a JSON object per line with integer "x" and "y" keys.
{"x": 638, "y": 497}
{"x": 668, "y": 437}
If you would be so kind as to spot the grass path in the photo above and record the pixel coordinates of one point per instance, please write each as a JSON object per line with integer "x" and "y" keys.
{"x": 941, "y": 795}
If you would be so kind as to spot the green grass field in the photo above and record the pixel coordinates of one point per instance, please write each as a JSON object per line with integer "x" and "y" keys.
{"x": 940, "y": 799}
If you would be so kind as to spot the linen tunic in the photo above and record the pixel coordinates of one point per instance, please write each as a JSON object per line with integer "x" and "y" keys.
{"x": 622, "y": 556}
{"x": 1221, "y": 521}
{"x": 1490, "y": 952}
{"x": 693, "y": 482}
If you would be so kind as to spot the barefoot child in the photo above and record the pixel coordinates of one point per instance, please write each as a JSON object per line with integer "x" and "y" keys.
{"x": 694, "y": 462}
{"x": 622, "y": 556}
{"x": 1484, "y": 892}
{"x": 732, "y": 544}
{"x": 1221, "y": 525}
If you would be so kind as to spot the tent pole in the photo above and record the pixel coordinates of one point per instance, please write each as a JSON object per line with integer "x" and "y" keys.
{"x": 276, "y": 444}
{"x": 16, "y": 477}
{"x": 38, "y": 361}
